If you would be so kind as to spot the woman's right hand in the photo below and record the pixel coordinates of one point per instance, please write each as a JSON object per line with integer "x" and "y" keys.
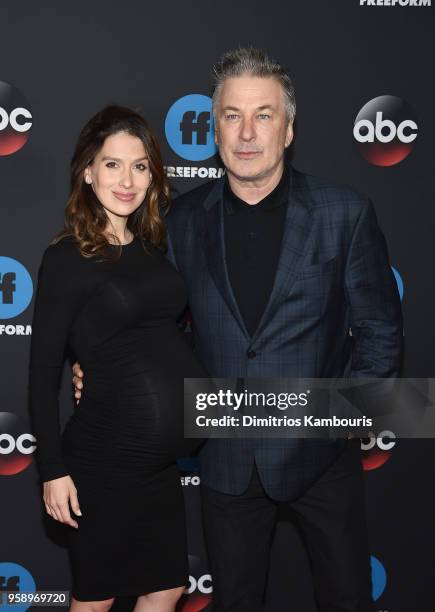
{"x": 77, "y": 381}
{"x": 58, "y": 494}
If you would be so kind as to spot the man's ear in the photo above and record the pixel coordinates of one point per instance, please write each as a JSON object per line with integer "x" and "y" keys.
{"x": 216, "y": 129}
{"x": 289, "y": 134}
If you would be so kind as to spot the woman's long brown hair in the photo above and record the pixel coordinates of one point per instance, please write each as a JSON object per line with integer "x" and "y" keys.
{"x": 85, "y": 217}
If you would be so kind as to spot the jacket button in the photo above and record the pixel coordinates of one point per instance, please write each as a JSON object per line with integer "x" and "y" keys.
{"x": 251, "y": 354}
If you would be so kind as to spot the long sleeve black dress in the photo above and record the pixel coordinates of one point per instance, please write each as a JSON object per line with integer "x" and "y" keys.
{"x": 121, "y": 443}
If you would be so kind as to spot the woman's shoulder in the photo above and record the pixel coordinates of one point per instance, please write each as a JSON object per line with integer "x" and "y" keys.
{"x": 63, "y": 251}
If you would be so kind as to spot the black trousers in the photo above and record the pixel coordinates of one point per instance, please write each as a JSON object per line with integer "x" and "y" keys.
{"x": 331, "y": 519}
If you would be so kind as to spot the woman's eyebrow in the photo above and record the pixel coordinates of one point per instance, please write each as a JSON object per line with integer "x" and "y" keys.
{"x": 107, "y": 157}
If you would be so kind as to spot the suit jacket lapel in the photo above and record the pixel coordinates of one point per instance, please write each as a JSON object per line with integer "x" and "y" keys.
{"x": 214, "y": 248}
{"x": 294, "y": 245}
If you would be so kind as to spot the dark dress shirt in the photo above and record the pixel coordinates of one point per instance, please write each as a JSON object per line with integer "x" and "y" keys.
{"x": 253, "y": 234}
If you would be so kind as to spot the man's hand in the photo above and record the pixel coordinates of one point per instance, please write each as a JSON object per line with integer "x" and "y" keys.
{"x": 57, "y": 493}
{"x": 77, "y": 381}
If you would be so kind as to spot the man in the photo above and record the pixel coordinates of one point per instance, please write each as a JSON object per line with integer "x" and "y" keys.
{"x": 279, "y": 266}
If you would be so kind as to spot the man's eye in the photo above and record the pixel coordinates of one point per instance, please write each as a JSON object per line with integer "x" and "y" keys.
{"x": 231, "y": 117}
{"x": 264, "y": 116}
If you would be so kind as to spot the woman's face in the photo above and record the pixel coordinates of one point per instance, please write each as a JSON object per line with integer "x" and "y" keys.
{"x": 120, "y": 174}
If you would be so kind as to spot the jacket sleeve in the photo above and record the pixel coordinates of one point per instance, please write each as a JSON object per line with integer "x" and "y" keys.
{"x": 375, "y": 308}
{"x": 59, "y": 295}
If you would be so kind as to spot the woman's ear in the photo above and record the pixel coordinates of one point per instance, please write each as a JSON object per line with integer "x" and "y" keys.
{"x": 87, "y": 176}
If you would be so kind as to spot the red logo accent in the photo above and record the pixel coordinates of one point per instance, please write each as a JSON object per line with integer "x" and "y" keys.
{"x": 16, "y": 445}
{"x": 195, "y": 603}
{"x": 371, "y": 460}
{"x": 15, "y": 119}
{"x": 376, "y": 450}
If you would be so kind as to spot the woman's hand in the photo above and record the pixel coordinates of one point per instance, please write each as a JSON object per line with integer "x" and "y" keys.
{"x": 57, "y": 493}
{"x": 77, "y": 381}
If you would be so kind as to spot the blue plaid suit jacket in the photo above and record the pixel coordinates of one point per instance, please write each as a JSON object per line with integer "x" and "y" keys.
{"x": 333, "y": 274}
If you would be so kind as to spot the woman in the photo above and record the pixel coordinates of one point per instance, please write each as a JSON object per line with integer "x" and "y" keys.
{"x": 107, "y": 291}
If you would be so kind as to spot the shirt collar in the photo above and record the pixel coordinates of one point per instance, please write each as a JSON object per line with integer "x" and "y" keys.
{"x": 274, "y": 199}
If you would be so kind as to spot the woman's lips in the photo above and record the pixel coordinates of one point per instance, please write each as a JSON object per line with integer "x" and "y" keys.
{"x": 124, "y": 197}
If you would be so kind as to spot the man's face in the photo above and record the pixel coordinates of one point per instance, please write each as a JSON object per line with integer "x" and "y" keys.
{"x": 252, "y": 130}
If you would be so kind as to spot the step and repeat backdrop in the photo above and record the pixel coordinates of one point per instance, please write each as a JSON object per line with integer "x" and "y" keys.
{"x": 364, "y": 89}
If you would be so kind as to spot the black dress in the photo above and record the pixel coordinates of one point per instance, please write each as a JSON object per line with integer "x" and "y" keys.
{"x": 122, "y": 441}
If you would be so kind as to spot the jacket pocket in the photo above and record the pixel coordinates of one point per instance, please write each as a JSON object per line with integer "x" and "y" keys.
{"x": 322, "y": 268}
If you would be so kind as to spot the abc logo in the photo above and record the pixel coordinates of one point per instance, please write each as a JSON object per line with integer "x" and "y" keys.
{"x": 15, "y": 578}
{"x": 198, "y": 594}
{"x": 385, "y": 441}
{"x": 385, "y": 130}
{"x": 377, "y": 449}
{"x": 16, "y": 445}
{"x": 379, "y": 578}
{"x": 203, "y": 585}
{"x": 15, "y": 119}
{"x": 189, "y": 127}
{"x": 16, "y": 288}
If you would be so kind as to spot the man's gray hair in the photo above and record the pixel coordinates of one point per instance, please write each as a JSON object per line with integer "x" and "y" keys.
{"x": 253, "y": 62}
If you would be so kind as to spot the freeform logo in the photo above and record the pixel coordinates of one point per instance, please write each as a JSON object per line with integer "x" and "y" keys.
{"x": 187, "y": 481}
{"x": 379, "y": 578}
{"x": 193, "y": 172}
{"x": 395, "y": 2}
{"x": 385, "y": 130}
{"x": 189, "y": 464}
{"x": 15, "y": 119}
{"x": 15, "y": 578}
{"x": 16, "y": 288}
{"x": 377, "y": 449}
{"x": 15, "y": 330}
{"x": 189, "y": 127}
{"x": 16, "y": 445}
{"x": 399, "y": 282}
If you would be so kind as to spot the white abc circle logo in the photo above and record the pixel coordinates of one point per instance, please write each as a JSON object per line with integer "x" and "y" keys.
{"x": 12, "y": 119}
{"x": 203, "y": 585}
{"x": 385, "y": 130}
{"x": 16, "y": 119}
{"x": 8, "y": 444}
{"x": 379, "y": 441}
